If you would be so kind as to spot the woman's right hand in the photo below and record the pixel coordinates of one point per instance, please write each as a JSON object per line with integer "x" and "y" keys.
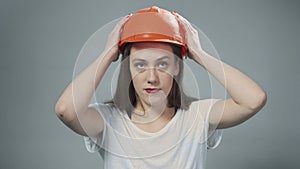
{"x": 73, "y": 105}
{"x": 113, "y": 39}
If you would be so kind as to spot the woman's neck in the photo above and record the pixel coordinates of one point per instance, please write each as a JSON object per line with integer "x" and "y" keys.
{"x": 146, "y": 113}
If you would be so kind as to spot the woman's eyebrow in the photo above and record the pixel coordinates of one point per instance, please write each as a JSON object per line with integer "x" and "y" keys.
{"x": 164, "y": 57}
{"x": 144, "y": 60}
{"x": 137, "y": 59}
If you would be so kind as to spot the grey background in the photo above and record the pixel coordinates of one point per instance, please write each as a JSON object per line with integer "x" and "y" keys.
{"x": 40, "y": 41}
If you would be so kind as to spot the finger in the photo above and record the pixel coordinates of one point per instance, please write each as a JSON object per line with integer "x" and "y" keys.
{"x": 185, "y": 22}
{"x": 181, "y": 18}
{"x": 115, "y": 33}
{"x": 121, "y": 23}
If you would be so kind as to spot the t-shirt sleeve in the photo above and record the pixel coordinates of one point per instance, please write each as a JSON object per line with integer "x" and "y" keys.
{"x": 93, "y": 144}
{"x": 214, "y": 138}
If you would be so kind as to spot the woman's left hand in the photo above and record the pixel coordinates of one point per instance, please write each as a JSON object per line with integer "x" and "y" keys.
{"x": 195, "y": 50}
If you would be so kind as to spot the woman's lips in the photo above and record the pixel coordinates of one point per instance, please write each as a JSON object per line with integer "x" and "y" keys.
{"x": 152, "y": 90}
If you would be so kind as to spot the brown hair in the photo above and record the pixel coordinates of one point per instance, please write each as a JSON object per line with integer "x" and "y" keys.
{"x": 125, "y": 97}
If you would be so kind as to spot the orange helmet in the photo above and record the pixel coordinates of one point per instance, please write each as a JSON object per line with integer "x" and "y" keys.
{"x": 153, "y": 25}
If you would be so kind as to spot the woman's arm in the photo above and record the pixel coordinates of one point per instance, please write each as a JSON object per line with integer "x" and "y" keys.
{"x": 247, "y": 97}
{"x": 72, "y": 106}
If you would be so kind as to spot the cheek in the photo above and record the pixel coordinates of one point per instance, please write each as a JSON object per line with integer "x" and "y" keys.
{"x": 133, "y": 74}
{"x": 136, "y": 80}
{"x": 167, "y": 81}
{"x": 173, "y": 69}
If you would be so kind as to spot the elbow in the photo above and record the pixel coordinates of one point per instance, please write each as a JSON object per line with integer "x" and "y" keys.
{"x": 60, "y": 110}
{"x": 259, "y": 101}
{"x": 63, "y": 113}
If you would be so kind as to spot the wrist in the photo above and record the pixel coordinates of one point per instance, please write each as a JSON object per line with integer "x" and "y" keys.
{"x": 197, "y": 56}
{"x": 111, "y": 54}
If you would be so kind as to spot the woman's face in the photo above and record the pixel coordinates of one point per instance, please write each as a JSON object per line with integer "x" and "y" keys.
{"x": 152, "y": 68}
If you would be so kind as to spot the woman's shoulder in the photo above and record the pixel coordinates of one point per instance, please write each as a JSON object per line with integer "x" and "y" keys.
{"x": 204, "y": 102}
{"x": 202, "y": 106}
{"x": 105, "y": 109}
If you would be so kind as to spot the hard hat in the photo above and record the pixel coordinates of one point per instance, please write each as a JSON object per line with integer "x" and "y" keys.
{"x": 153, "y": 25}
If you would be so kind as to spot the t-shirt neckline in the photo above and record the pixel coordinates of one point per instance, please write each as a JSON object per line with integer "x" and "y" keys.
{"x": 161, "y": 131}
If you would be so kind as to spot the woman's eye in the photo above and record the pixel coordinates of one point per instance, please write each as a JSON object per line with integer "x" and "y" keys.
{"x": 162, "y": 64}
{"x": 139, "y": 65}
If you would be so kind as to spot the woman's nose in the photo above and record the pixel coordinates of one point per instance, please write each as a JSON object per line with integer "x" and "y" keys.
{"x": 152, "y": 76}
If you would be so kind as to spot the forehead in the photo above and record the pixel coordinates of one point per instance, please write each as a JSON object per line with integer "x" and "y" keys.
{"x": 150, "y": 50}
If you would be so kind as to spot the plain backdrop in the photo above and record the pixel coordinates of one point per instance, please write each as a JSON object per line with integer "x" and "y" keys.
{"x": 40, "y": 41}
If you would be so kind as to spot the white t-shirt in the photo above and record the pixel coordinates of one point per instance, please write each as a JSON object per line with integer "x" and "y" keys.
{"x": 181, "y": 144}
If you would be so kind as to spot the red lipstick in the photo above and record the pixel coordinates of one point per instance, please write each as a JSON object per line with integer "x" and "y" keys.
{"x": 152, "y": 90}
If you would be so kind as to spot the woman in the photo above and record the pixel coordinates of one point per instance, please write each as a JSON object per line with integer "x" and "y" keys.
{"x": 151, "y": 123}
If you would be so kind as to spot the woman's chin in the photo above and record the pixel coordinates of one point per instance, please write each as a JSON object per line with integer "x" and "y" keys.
{"x": 157, "y": 98}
